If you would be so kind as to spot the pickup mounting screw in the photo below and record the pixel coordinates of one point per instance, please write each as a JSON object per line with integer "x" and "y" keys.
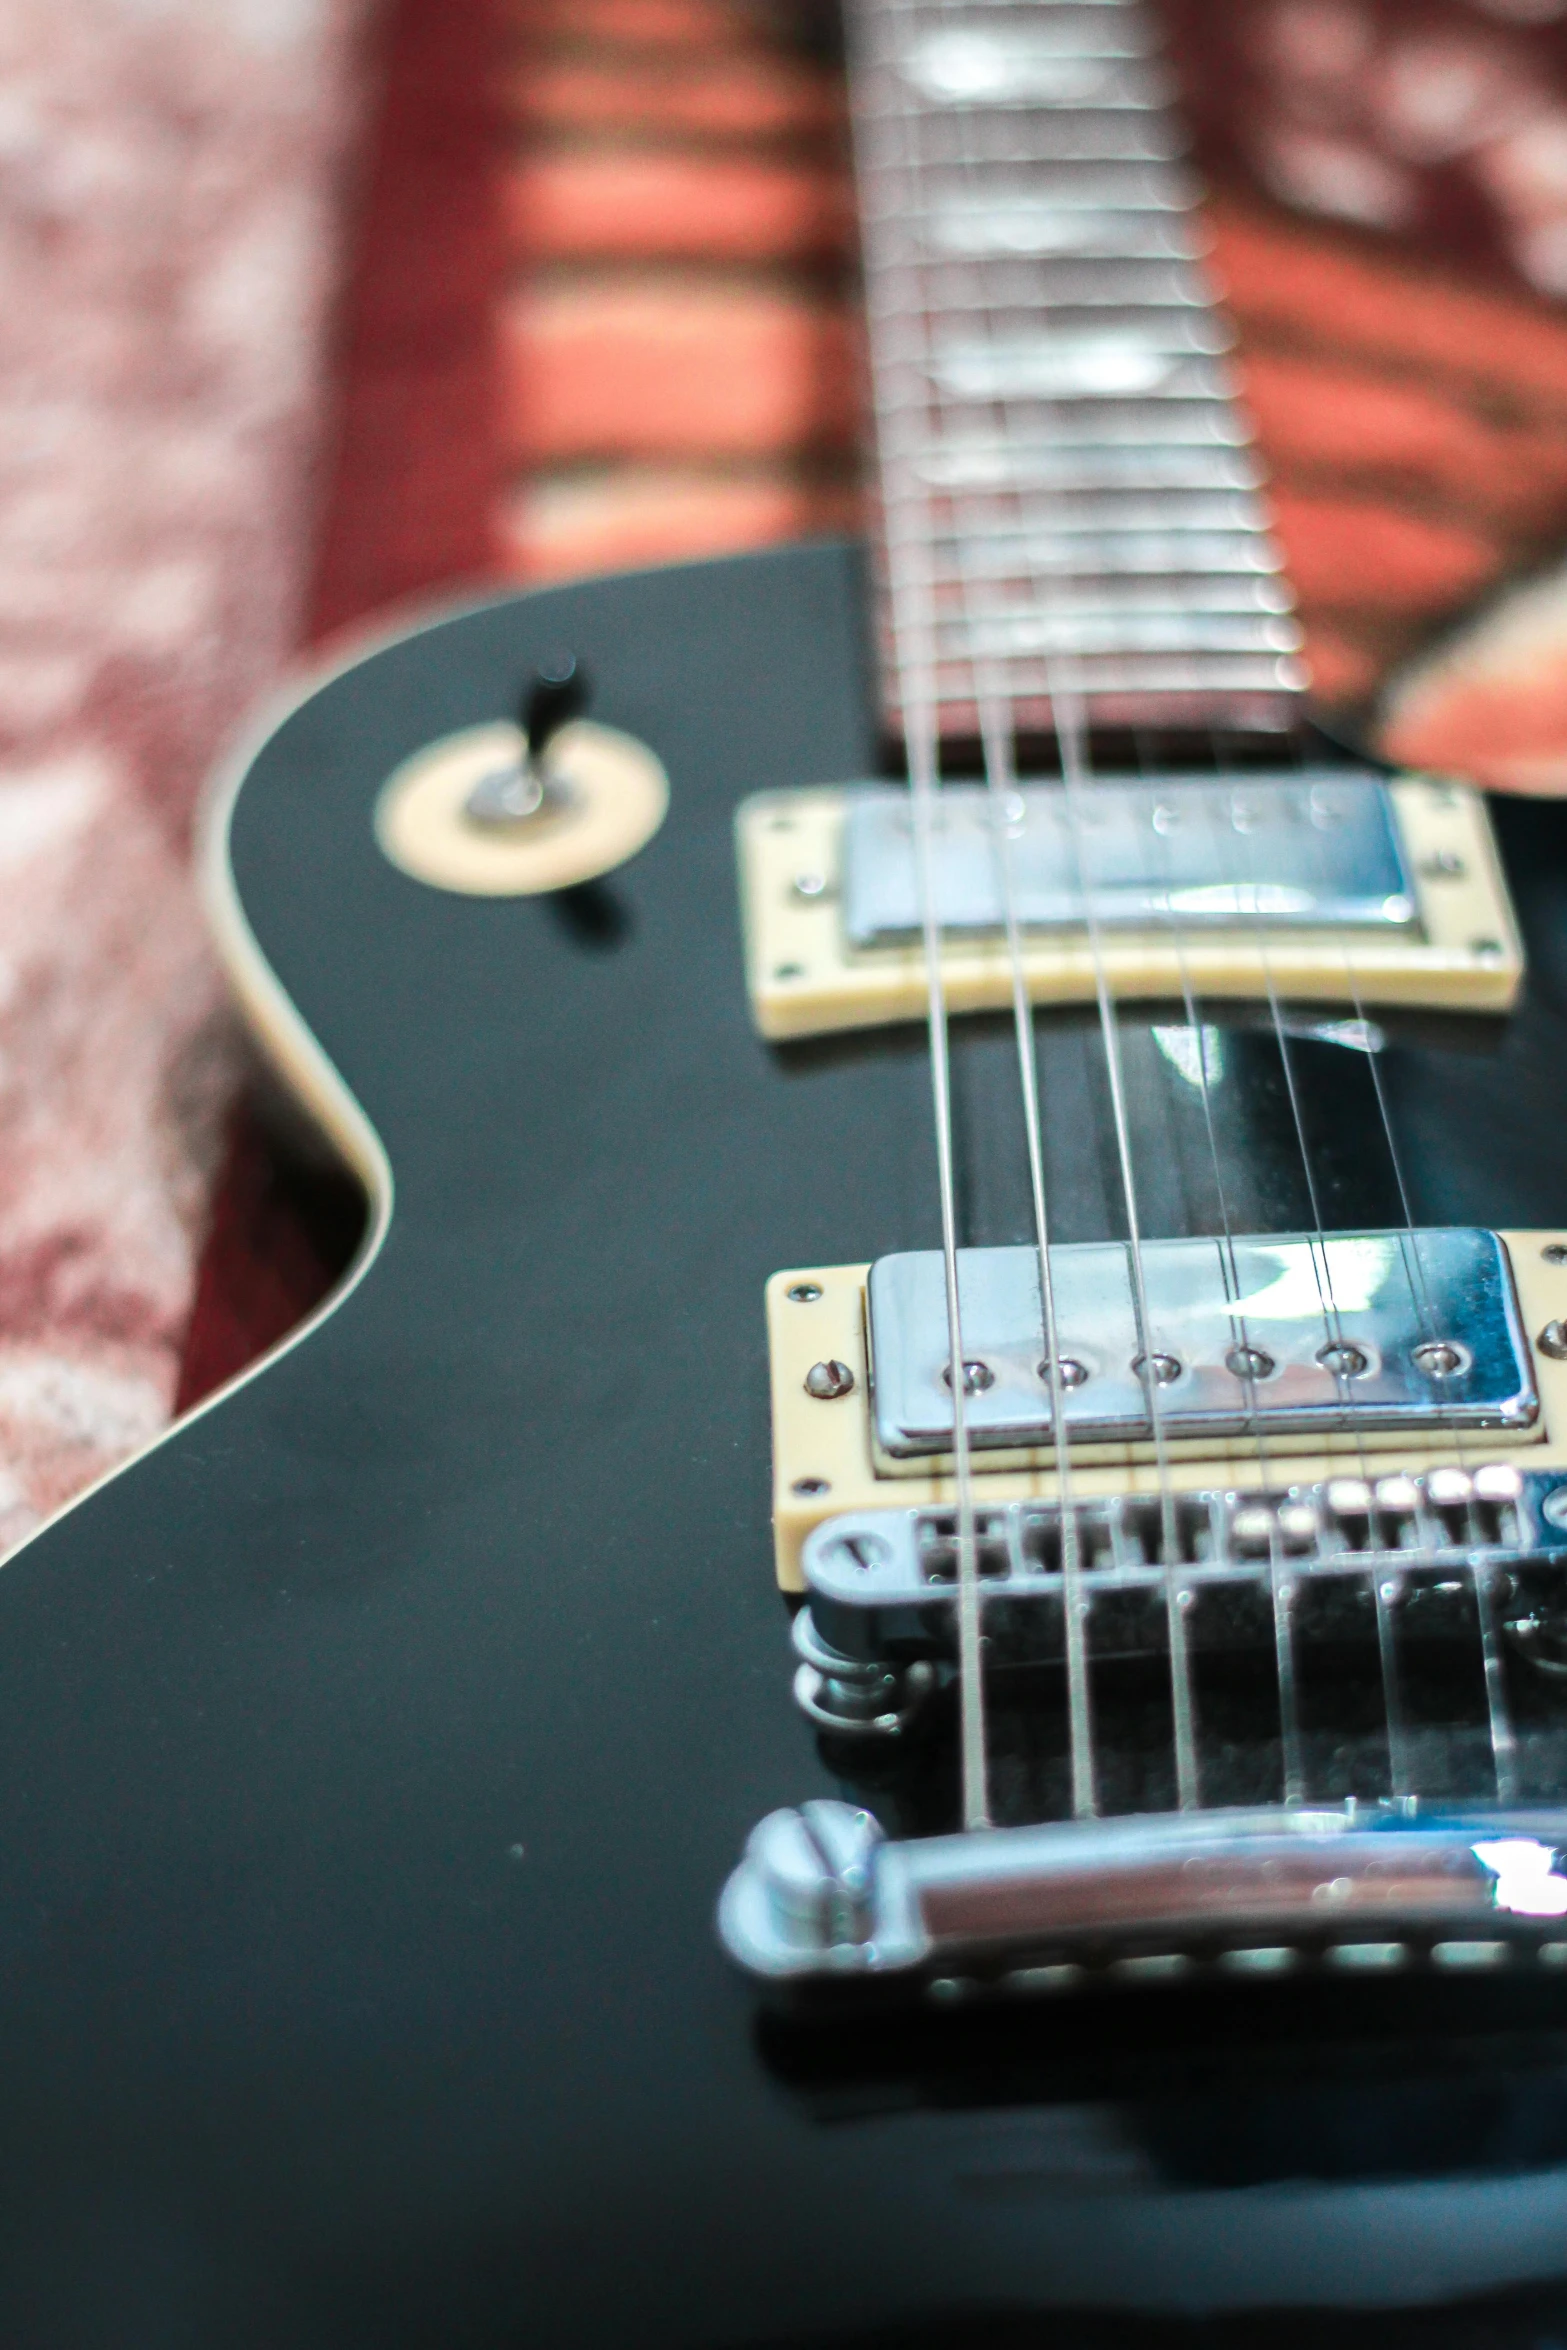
{"x": 827, "y": 1381}
{"x": 810, "y": 885}
{"x": 1552, "y": 1341}
{"x": 805, "y": 1293}
{"x": 1445, "y": 865}
{"x": 807, "y": 1487}
{"x": 1486, "y": 950}
{"x": 1555, "y": 1254}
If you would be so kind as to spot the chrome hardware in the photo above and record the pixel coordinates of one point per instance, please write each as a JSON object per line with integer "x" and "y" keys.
{"x": 1357, "y": 1886}
{"x": 515, "y": 795}
{"x": 1321, "y": 851}
{"x": 1552, "y": 1341}
{"x": 810, "y": 886}
{"x": 883, "y": 1582}
{"x": 529, "y": 791}
{"x": 828, "y": 1381}
{"x": 1043, "y": 65}
{"x": 808, "y": 1884}
{"x": 1424, "y": 1331}
{"x": 852, "y": 1696}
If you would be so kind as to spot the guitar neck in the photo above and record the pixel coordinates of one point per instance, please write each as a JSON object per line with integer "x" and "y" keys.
{"x": 1069, "y": 498}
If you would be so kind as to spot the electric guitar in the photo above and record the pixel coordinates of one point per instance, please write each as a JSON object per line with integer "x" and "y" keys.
{"x": 897, "y": 1663}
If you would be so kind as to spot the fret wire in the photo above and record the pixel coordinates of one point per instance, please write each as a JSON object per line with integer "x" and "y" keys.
{"x": 906, "y": 189}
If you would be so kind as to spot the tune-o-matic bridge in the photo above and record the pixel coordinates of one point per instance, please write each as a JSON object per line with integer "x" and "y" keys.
{"x": 1323, "y": 885}
{"x": 1359, "y": 1774}
{"x": 1269, "y": 1702}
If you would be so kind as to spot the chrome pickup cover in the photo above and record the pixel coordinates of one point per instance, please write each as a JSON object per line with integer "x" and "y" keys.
{"x": 1288, "y": 1334}
{"x": 1318, "y": 849}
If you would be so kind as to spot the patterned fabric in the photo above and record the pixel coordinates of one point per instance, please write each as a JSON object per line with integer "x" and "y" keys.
{"x": 167, "y": 188}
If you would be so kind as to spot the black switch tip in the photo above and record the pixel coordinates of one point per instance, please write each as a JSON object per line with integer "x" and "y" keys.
{"x": 557, "y": 691}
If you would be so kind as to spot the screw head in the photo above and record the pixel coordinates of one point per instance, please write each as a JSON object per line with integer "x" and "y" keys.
{"x": 810, "y": 885}
{"x": 788, "y": 970}
{"x": 805, "y": 1293}
{"x": 1445, "y": 865}
{"x": 808, "y": 1487}
{"x": 1486, "y": 950}
{"x": 1552, "y": 1341}
{"x": 1344, "y": 1361}
{"x": 1166, "y": 1369}
{"x": 1439, "y": 1358}
{"x": 1553, "y": 1509}
{"x": 815, "y": 1867}
{"x": 977, "y": 1377}
{"x": 1555, "y": 1253}
{"x": 1070, "y": 1373}
{"x": 1249, "y": 1362}
{"x": 828, "y": 1380}
{"x": 863, "y": 1553}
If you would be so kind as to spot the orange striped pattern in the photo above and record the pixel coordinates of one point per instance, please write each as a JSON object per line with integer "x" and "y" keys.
{"x": 682, "y": 361}
{"x": 680, "y": 351}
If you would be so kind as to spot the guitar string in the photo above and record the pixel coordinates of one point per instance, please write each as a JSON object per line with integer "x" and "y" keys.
{"x": 1075, "y": 737}
{"x": 997, "y": 760}
{"x": 1292, "y": 1769}
{"x": 1075, "y": 772}
{"x": 1149, "y": 1357}
{"x": 1343, "y": 1372}
{"x": 1074, "y": 750}
{"x": 1000, "y": 781}
{"x": 911, "y": 598}
{"x": 1503, "y": 1742}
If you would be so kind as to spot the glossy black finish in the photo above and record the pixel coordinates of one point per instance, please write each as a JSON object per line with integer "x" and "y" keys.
{"x": 372, "y": 1752}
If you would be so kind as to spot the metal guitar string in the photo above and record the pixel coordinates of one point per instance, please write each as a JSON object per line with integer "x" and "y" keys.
{"x": 912, "y": 597}
{"x": 1068, "y": 697}
{"x": 1076, "y": 770}
{"x": 1504, "y": 1744}
{"x": 1280, "y": 1587}
{"x": 996, "y": 737}
{"x": 1387, "y": 1652}
{"x": 1072, "y": 737}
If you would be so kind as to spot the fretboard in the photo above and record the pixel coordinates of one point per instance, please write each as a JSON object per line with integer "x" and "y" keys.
{"x": 1069, "y": 496}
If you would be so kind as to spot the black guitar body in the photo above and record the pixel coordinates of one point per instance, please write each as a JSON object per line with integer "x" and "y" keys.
{"x": 372, "y": 1752}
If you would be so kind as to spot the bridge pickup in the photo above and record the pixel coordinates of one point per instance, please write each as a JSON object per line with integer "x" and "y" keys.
{"x": 1365, "y": 1330}
{"x": 1322, "y": 885}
